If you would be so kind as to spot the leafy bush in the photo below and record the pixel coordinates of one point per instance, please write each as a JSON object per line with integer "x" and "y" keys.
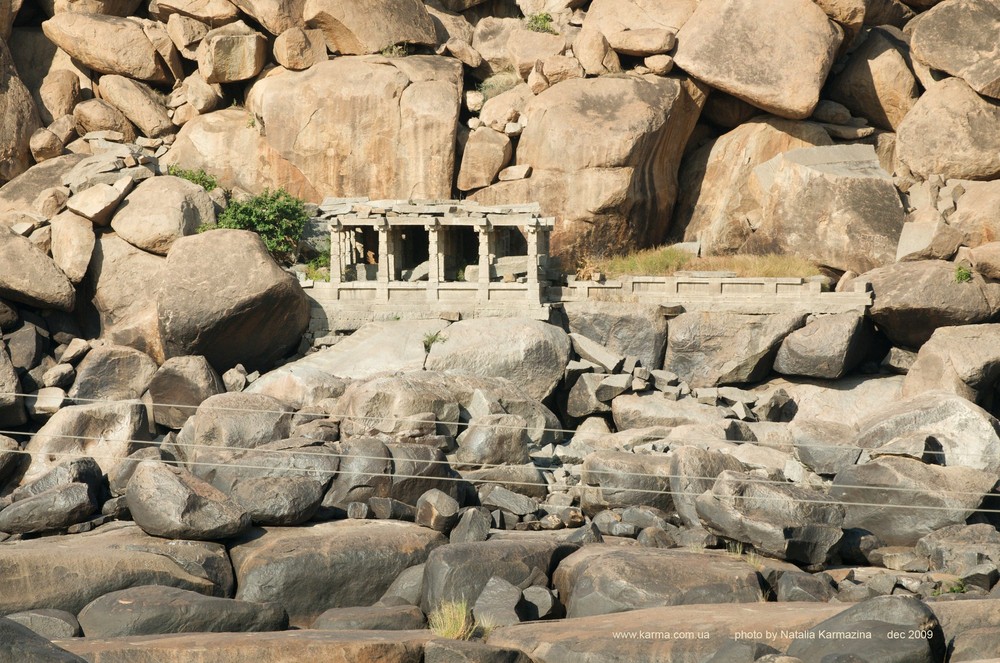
{"x": 963, "y": 274}
{"x": 541, "y": 23}
{"x": 318, "y": 269}
{"x": 277, "y": 216}
{"x": 199, "y": 177}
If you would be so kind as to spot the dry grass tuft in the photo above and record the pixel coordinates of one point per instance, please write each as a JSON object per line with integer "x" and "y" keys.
{"x": 452, "y": 620}
{"x": 667, "y": 261}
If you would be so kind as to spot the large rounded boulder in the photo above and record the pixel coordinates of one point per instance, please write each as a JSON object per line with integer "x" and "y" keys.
{"x": 225, "y": 298}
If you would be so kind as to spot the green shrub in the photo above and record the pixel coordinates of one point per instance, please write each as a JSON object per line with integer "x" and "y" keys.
{"x": 277, "y": 216}
{"x": 199, "y": 177}
{"x": 541, "y": 23}
{"x": 963, "y": 274}
{"x": 318, "y": 269}
{"x": 395, "y": 51}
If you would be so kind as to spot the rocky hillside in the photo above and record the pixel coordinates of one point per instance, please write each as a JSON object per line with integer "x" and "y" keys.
{"x": 631, "y": 121}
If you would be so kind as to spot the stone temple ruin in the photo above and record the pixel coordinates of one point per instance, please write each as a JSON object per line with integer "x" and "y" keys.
{"x": 400, "y": 259}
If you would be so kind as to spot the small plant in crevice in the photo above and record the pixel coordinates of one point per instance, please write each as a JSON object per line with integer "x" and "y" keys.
{"x": 963, "y": 274}
{"x": 395, "y": 51}
{"x": 277, "y": 216}
{"x": 431, "y": 338}
{"x": 541, "y": 22}
{"x": 452, "y": 620}
{"x": 199, "y": 177}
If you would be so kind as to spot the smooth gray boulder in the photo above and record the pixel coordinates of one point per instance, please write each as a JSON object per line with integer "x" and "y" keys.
{"x": 497, "y": 603}
{"x": 172, "y": 503}
{"x": 112, "y": 372}
{"x": 901, "y": 500}
{"x": 601, "y": 579}
{"x": 653, "y": 409}
{"x": 290, "y": 500}
{"x": 710, "y": 349}
{"x": 153, "y": 609}
{"x": 371, "y": 618}
{"x": 530, "y": 353}
{"x": 179, "y": 386}
{"x": 627, "y": 329}
{"x": 493, "y": 439}
{"x": 229, "y": 301}
{"x": 956, "y": 37}
{"x": 237, "y": 421}
{"x": 160, "y": 210}
{"x": 340, "y": 564}
{"x": 829, "y": 347}
{"x": 962, "y": 360}
{"x": 936, "y": 427}
{"x": 782, "y": 520}
{"x": 53, "y": 509}
{"x": 30, "y": 276}
{"x": 48, "y": 623}
{"x": 22, "y": 645}
{"x": 912, "y": 299}
{"x": 619, "y": 479}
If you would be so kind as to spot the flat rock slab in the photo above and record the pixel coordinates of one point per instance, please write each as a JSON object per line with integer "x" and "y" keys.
{"x": 641, "y": 633}
{"x": 67, "y": 573}
{"x": 279, "y": 647}
{"x": 329, "y": 565}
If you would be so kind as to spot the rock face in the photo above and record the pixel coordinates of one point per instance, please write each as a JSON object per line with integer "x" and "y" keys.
{"x": 229, "y": 301}
{"x": 827, "y": 347}
{"x": 711, "y": 349}
{"x": 834, "y": 205}
{"x": 169, "y": 502}
{"x": 951, "y": 131}
{"x": 643, "y": 121}
{"x": 629, "y": 330}
{"x": 533, "y": 354}
{"x": 72, "y": 245}
{"x": 912, "y": 299}
{"x": 155, "y": 609}
{"x": 722, "y": 36}
{"x": 356, "y": 27}
{"x": 306, "y": 119}
{"x": 961, "y": 360}
{"x": 722, "y": 212}
{"x": 161, "y": 210}
{"x": 23, "y": 644}
{"x": 179, "y": 387}
{"x": 231, "y": 53}
{"x": 30, "y": 276}
{"x": 108, "y": 44}
{"x": 330, "y": 565}
{"x": 602, "y": 579}
{"x": 113, "y": 557}
{"x": 112, "y": 372}
{"x": 954, "y": 37}
{"x": 20, "y": 119}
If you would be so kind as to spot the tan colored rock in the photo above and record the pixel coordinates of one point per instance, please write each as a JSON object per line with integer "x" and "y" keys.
{"x": 986, "y": 260}
{"x": 490, "y": 41}
{"x": 99, "y": 115}
{"x": 743, "y": 47}
{"x": 21, "y": 192}
{"x": 463, "y": 52}
{"x": 7, "y": 13}
{"x": 609, "y": 16}
{"x": 203, "y": 97}
{"x": 276, "y": 16}
{"x": 722, "y": 212}
{"x": 45, "y": 145}
{"x": 448, "y": 24}
{"x": 593, "y": 187}
{"x": 332, "y": 122}
{"x": 123, "y": 280}
{"x": 234, "y": 52}
{"x": 951, "y": 131}
{"x": 212, "y": 12}
{"x": 161, "y": 210}
{"x": 299, "y": 49}
{"x": 959, "y": 37}
{"x": 834, "y": 205}
{"x": 98, "y": 202}
{"x": 356, "y": 27}
{"x": 186, "y": 33}
{"x": 158, "y": 36}
{"x": 139, "y": 103}
{"x": 108, "y": 44}
{"x": 928, "y": 240}
{"x": 642, "y": 42}
{"x": 525, "y": 47}
{"x": 661, "y": 65}
{"x": 109, "y": 7}
{"x": 486, "y": 153}
{"x": 18, "y": 120}
{"x": 31, "y": 277}
{"x": 225, "y": 145}
{"x": 877, "y": 83}
{"x": 558, "y": 68}
{"x": 595, "y": 53}
{"x": 72, "y": 244}
{"x": 505, "y": 107}
{"x": 975, "y": 213}
{"x": 60, "y": 92}
{"x": 35, "y": 57}
{"x": 51, "y": 201}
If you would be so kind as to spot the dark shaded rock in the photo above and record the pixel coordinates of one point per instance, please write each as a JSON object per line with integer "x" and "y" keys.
{"x": 627, "y": 329}
{"x": 494, "y": 439}
{"x": 279, "y": 500}
{"x": 51, "y": 624}
{"x": 22, "y": 645}
{"x": 437, "y": 510}
{"x": 387, "y": 508}
{"x": 179, "y": 386}
{"x": 498, "y": 497}
{"x": 619, "y": 479}
{"x": 795, "y": 586}
{"x": 170, "y": 502}
{"x": 828, "y": 347}
{"x": 155, "y": 609}
{"x": 497, "y": 603}
{"x": 601, "y": 579}
{"x": 329, "y": 565}
{"x": 406, "y": 589}
{"x": 112, "y": 372}
{"x": 473, "y": 525}
{"x": 371, "y": 618}
{"x": 464, "y": 651}
{"x": 52, "y": 509}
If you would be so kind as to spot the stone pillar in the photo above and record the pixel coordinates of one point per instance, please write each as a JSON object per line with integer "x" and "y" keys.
{"x": 435, "y": 261}
{"x": 336, "y": 251}
{"x": 532, "y": 235}
{"x": 487, "y": 255}
{"x": 383, "y": 273}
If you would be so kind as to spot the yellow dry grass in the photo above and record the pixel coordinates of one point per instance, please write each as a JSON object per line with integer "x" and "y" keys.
{"x": 667, "y": 260}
